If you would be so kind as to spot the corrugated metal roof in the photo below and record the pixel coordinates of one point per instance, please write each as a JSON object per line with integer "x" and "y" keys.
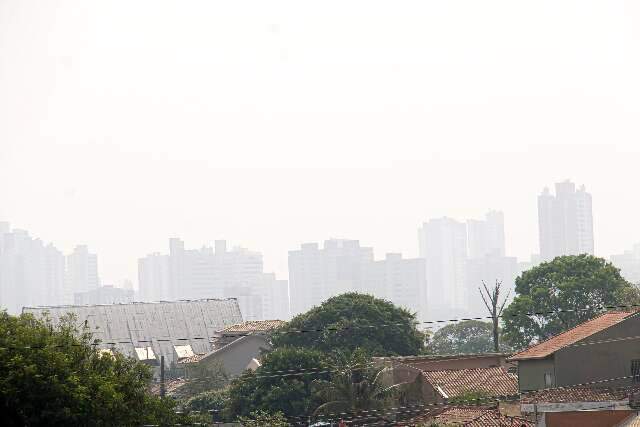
{"x": 253, "y": 326}
{"x": 573, "y": 335}
{"x": 453, "y": 383}
{"x": 161, "y": 325}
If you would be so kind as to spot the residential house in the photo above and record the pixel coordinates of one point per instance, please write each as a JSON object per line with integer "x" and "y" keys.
{"x": 235, "y": 349}
{"x": 605, "y": 346}
{"x": 583, "y": 376}
{"x": 407, "y": 368}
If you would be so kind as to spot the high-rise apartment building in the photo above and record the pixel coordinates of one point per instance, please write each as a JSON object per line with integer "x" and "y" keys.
{"x": 399, "y": 280}
{"x": 443, "y": 245}
{"x": 629, "y": 263}
{"x": 486, "y": 237}
{"x": 316, "y": 274}
{"x": 565, "y": 221}
{"x": 81, "y": 273}
{"x": 31, "y": 273}
{"x": 213, "y": 273}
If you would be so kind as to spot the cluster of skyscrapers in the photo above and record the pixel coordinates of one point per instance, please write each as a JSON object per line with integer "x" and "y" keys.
{"x": 455, "y": 258}
{"x": 32, "y": 273}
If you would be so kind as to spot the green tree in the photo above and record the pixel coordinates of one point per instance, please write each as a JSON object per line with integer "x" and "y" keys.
{"x": 284, "y": 383}
{"x": 356, "y": 388}
{"x": 54, "y": 375}
{"x": 354, "y": 321}
{"x": 582, "y": 284}
{"x": 469, "y": 336}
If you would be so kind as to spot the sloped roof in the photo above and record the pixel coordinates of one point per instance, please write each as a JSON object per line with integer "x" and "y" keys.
{"x": 573, "y": 335}
{"x": 470, "y": 416}
{"x": 253, "y": 326}
{"x": 576, "y": 394}
{"x": 493, "y": 381}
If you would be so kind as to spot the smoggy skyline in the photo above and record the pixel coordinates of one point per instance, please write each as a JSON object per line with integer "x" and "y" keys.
{"x": 298, "y": 123}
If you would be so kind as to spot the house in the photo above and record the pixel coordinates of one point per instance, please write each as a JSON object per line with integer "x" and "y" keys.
{"x": 407, "y": 368}
{"x": 468, "y": 416}
{"x": 601, "y": 352}
{"x": 150, "y": 331}
{"x": 235, "y": 349}
{"x": 578, "y": 406}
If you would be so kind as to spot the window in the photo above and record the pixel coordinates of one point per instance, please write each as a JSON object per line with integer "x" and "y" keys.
{"x": 635, "y": 370}
{"x": 548, "y": 379}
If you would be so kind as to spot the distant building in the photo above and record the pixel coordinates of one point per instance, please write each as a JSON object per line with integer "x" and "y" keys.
{"x": 147, "y": 331}
{"x": 443, "y": 245}
{"x": 81, "y": 273}
{"x": 316, "y": 274}
{"x": 565, "y": 221}
{"x": 208, "y": 273}
{"x": 106, "y": 294}
{"x": 629, "y": 264}
{"x": 30, "y": 271}
{"x": 488, "y": 270}
{"x": 486, "y": 237}
{"x": 401, "y": 281}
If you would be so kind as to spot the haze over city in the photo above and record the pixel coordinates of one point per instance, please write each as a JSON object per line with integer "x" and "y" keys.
{"x": 293, "y": 124}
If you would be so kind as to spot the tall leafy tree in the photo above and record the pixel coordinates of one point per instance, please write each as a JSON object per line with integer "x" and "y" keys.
{"x": 470, "y": 336}
{"x": 564, "y": 293}
{"x": 354, "y": 321}
{"x": 284, "y": 383}
{"x": 54, "y": 375}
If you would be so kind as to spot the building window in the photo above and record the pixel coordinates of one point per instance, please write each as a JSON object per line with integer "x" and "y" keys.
{"x": 548, "y": 379}
{"x": 635, "y": 371}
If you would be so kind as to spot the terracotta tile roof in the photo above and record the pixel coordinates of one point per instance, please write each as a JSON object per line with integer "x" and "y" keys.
{"x": 253, "y": 326}
{"x": 576, "y": 394}
{"x": 493, "y": 381}
{"x": 471, "y": 416}
{"x": 573, "y": 335}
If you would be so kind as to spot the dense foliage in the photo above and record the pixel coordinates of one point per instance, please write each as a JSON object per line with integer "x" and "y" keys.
{"x": 269, "y": 389}
{"x": 264, "y": 419}
{"x": 352, "y": 322}
{"x": 356, "y": 388}
{"x": 581, "y": 282}
{"x": 54, "y": 375}
{"x": 470, "y": 336}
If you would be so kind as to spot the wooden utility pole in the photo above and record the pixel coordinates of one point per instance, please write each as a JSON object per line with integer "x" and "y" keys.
{"x": 491, "y": 300}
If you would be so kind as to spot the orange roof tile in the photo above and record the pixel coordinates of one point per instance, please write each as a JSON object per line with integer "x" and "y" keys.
{"x": 470, "y": 416}
{"x": 576, "y": 394}
{"x": 493, "y": 381}
{"x": 573, "y": 335}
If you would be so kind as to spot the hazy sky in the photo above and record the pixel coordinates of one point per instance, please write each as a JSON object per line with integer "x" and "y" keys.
{"x": 271, "y": 123}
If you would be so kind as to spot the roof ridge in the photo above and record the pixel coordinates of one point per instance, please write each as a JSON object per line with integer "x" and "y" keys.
{"x": 465, "y": 369}
{"x": 630, "y": 313}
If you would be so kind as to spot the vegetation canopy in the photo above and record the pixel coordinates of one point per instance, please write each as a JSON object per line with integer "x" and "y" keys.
{"x": 351, "y": 322}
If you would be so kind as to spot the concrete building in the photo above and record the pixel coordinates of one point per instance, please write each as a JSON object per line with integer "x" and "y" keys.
{"x": 401, "y": 281}
{"x": 81, "y": 274}
{"x": 443, "y": 245}
{"x": 629, "y": 264}
{"x": 208, "y": 273}
{"x": 106, "y": 294}
{"x": 30, "y": 271}
{"x": 148, "y": 331}
{"x": 316, "y": 274}
{"x": 565, "y": 221}
{"x": 486, "y": 237}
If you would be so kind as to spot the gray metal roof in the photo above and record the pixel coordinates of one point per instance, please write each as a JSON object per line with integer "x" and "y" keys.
{"x": 159, "y": 325}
